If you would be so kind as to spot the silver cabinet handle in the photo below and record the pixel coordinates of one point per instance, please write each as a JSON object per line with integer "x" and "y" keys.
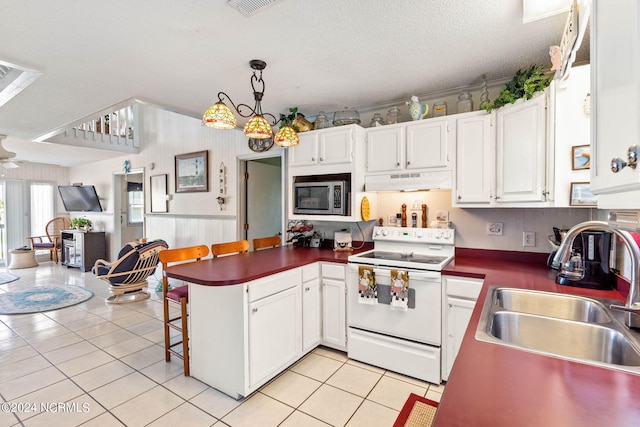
{"x": 255, "y": 309}
{"x": 313, "y": 159}
{"x": 321, "y": 159}
{"x": 617, "y": 164}
{"x": 307, "y": 289}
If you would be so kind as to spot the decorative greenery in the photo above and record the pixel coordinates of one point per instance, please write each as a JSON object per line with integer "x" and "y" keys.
{"x": 288, "y": 119}
{"x": 80, "y": 222}
{"x": 523, "y": 85}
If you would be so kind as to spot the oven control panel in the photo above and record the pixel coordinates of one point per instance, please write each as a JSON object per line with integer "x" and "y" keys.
{"x": 444, "y": 236}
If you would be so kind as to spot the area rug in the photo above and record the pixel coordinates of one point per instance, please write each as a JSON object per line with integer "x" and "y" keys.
{"x": 6, "y": 277}
{"x": 42, "y": 298}
{"x": 416, "y": 412}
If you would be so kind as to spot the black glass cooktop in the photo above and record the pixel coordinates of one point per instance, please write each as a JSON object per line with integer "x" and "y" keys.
{"x": 407, "y": 257}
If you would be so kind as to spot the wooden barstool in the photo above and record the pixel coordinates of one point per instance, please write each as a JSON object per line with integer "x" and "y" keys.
{"x": 179, "y": 295}
{"x": 267, "y": 242}
{"x": 238, "y": 247}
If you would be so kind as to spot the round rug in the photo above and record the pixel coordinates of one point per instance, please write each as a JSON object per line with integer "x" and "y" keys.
{"x": 42, "y": 298}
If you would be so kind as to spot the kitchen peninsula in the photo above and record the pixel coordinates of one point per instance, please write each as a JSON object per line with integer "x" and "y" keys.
{"x": 254, "y": 314}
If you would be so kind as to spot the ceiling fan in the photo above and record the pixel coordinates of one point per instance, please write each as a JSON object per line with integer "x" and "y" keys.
{"x": 6, "y": 157}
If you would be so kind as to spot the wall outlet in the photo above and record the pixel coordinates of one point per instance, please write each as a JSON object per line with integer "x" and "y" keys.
{"x": 528, "y": 238}
{"x": 494, "y": 228}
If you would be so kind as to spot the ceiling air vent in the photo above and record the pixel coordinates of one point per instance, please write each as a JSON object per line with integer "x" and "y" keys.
{"x": 250, "y": 7}
{"x": 13, "y": 80}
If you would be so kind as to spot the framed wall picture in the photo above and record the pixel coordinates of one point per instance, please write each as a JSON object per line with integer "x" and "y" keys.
{"x": 159, "y": 202}
{"x": 581, "y": 195}
{"x": 580, "y": 157}
{"x": 192, "y": 172}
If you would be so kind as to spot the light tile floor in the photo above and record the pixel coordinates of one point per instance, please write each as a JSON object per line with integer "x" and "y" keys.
{"x": 96, "y": 364}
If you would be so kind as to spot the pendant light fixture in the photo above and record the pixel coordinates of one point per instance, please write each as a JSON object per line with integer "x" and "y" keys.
{"x": 220, "y": 116}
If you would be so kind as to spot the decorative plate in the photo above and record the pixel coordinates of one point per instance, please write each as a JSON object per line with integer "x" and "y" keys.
{"x": 260, "y": 144}
{"x": 365, "y": 209}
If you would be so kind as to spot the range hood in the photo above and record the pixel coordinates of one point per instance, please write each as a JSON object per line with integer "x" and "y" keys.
{"x": 408, "y": 181}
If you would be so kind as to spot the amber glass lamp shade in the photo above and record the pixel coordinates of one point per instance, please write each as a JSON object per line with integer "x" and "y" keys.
{"x": 219, "y": 116}
{"x": 287, "y": 137}
{"x": 258, "y": 127}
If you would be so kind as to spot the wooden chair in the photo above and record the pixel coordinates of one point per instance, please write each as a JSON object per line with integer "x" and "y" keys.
{"x": 51, "y": 241}
{"x": 239, "y": 247}
{"x": 179, "y": 295}
{"x": 127, "y": 276}
{"x": 267, "y": 242}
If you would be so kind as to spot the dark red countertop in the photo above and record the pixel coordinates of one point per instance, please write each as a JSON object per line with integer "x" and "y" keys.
{"x": 492, "y": 385}
{"x": 242, "y": 268}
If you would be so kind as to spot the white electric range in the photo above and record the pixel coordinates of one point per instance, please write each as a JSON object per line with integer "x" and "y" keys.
{"x": 404, "y": 338}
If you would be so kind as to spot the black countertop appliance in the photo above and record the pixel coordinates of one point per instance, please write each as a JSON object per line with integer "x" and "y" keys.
{"x": 593, "y": 250}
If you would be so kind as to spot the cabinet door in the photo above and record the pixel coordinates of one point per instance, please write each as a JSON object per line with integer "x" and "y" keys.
{"x": 384, "y": 149}
{"x": 335, "y": 146}
{"x": 520, "y": 149}
{"x": 474, "y": 163}
{"x": 334, "y": 326}
{"x": 275, "y": 336}
{"x": 615, "y": 80}
{"x": 427, "y": 144}
{"x": 305, "y": 153}
{"x": 310, "y": 314}
{"x": 458, "y": 316}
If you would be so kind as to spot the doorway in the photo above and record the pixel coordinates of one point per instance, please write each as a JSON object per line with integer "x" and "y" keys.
{"x": 262, "y": 207}
{"x": 128, "y": 196}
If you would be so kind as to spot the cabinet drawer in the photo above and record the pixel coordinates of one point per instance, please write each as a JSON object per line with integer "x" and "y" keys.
{"x": 273, "y": 284}
{"x": 333, "y": 271}
{"x": 463, "y": 287}
{"x": 310, "y": 272}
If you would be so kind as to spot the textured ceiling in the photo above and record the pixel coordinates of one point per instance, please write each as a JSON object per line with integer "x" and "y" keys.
{"x": 321, "y": 55}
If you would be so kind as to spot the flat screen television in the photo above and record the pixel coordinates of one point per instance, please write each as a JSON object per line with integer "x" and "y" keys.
{"x": 80, "y": 198}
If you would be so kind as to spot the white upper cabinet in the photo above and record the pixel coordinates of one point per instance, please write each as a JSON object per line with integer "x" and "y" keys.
{"x": 474, "y": 160}
{"x": 615, "y": 101}
{"x": 323, "y": 147}
{"x": 521, "y": 151}
{"x": 501, "y": 159}
{"x": 425, "y": 144}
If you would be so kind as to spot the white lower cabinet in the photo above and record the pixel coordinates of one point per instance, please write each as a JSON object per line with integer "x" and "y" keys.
{"x": 275, "y": 334}
{"x": 311, "y": 315}
{"x": 243, "y": 335}
{"x": 334, "y": 324}
{"x": 459, "y": 302}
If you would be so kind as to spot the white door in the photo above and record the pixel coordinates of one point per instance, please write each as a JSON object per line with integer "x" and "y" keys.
{"x": 263, "y": 197}
{"x": 310, "y": 314}
{"x": 474, "y": 161}
{"x": 615, "y": 105}
{"x": 384, "y": 149}
{"x": 275, "y": 336}
{"x": 458, "y": 317}
{"x": 334, "y": 332}
{"x": 427, "y": 144}
{"x": 305, "y": 153}
{"x": 521, "y": 150}
{"x": 335, "y": 146}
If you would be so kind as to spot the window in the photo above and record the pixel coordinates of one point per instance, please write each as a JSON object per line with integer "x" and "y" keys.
{"x": 41, "y": 195}
{"x": 136, "y": 207}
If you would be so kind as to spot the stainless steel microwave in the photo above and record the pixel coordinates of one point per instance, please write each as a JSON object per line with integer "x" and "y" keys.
{"x": 321, "y": 198}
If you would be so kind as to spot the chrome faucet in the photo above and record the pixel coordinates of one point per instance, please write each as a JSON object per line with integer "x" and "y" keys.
{"x": 562, "y": 262}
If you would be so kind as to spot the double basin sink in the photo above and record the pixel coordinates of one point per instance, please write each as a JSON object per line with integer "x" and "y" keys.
{"x": 572, "y": 327}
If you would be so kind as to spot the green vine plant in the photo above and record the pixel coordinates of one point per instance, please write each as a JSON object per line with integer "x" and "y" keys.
{"x": 523, "y": 85}
{"x": 288, "y": 119}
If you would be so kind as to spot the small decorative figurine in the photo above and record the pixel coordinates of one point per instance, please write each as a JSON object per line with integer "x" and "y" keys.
{"x": 417, "y": 110}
